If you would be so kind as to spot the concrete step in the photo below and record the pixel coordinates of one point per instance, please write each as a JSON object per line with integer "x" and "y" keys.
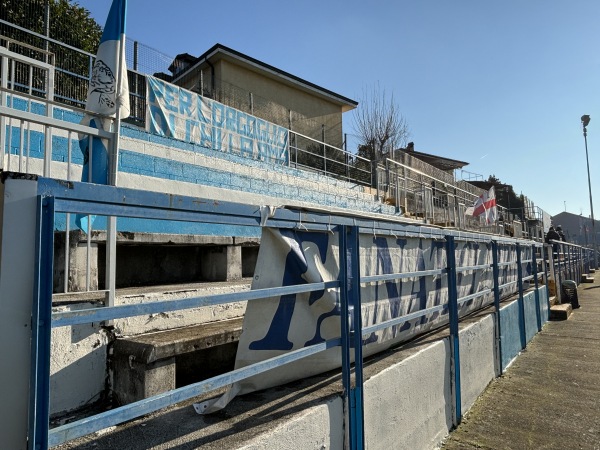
{"x": 585, "y": 278}
{"x": 154, "y": 363}
{"x": 560, "y": 312}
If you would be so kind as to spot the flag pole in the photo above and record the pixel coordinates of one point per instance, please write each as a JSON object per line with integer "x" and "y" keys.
{"x": 111, "y": 226}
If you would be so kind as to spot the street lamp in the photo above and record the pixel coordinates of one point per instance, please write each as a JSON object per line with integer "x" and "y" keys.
{"x": 585, "y": 120}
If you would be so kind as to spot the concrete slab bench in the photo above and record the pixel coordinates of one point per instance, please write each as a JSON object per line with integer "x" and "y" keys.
{"x": 147, "y": 364}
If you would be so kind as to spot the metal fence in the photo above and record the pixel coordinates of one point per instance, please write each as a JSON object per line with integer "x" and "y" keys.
{"x": 521, "y": 269}
{"x": 568, "y": 262}
{"x": 315, "y": 156}
{"x": 418, "y": 189}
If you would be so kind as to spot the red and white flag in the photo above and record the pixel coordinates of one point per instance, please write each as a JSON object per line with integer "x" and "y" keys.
{"x": 485, "y": 206}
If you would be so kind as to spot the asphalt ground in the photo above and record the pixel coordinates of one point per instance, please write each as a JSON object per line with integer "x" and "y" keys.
{"x": 549, "y": 398}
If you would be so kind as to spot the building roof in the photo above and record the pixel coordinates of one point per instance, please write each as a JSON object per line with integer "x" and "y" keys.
{"x": 219, "y": 51}
{"x": 440, "y": 162}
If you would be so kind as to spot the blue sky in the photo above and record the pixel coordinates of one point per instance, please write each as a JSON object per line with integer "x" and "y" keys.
{"x": 499, "y": 84}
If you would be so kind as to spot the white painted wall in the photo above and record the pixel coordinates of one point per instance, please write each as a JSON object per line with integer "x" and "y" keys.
{"x": 478, "y": 356}
{"x": 16, "y": 293}
{"x": 408, "y": 405}
{"x": 78, "y": 367}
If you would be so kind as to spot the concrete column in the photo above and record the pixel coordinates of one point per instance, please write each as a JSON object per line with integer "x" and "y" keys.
{"x": 222, "y": 263}
{"x": 77, "y": 269}
{"x": 17, "y": 271}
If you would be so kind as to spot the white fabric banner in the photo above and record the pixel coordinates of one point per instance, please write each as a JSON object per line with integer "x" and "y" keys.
{"x": 175, "y": 112}
{"x": 276, "y": 325}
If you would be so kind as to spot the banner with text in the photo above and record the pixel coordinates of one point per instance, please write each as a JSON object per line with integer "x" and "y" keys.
{"x": 176, "y": 112}
{"x": 274, "y": 326}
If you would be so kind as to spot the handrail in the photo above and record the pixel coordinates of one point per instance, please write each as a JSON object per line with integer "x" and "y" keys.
{"x": 105, "y": 200}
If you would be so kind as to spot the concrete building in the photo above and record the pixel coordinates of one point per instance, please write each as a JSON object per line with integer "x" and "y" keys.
{"x": 448, "y": 165}
{"x": 252, "y": 86}
{"x": 577, "y": 228}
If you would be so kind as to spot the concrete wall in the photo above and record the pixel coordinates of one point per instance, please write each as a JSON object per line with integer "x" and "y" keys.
{"x": 510, "y": 333}
{"x": 409, "y": 403}
{"x": 478, "y": 359}
{"x": 320, "y": 427}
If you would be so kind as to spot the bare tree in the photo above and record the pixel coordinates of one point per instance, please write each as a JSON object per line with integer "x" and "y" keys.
{"x": 379, "y": 124}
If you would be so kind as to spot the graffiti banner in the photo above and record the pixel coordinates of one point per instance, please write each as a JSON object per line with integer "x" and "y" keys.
{"x": 276, "y": 325}
{"x": 176, "y": 112}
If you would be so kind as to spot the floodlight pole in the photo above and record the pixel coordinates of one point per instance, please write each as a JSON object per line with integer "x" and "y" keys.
{"x": 585, "y": 120}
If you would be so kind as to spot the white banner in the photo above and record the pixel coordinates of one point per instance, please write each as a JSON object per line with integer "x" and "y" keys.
{"x": 277, "y": 325}
{"x": 175, "y": 112}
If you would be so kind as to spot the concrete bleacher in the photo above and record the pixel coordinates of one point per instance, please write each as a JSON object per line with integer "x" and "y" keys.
{"x": 154, "y": 363}
{"x": 162, "y": 164}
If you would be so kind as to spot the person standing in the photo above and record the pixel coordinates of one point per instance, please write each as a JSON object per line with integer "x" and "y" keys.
{"x": 561, "y": 234}
{"x": 552, "y": 235}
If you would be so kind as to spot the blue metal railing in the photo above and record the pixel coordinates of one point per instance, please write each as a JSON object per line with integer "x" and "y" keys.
{"x": 83, "y": 198}
{"x": 568, "y": 261}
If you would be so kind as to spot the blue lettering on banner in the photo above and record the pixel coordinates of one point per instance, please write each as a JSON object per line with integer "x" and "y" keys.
{"x": 246, "y": 146}
{"x": 184, "y": 115}
{"x": 218, "y": 114}
{"x": 217, "y": 142}
{"x": 231, "y": 119}
{"x": 192, "y": 129}
{"x": 170, "y": 94}
{"x": 157, "y": 121}
{"x": 230, "y": 145}
{"x": 385, "y": 266}
{"x": 296, "y": 266}
{"x": 436, "y": 258}
{"x": 206, "y": 137}
{"x": 186, "y": 99}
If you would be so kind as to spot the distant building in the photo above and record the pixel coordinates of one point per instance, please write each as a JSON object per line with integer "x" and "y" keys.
{"x": 448, "y": 165}
{"x": 250, "y": 85}
{"x": 577, "y": 228}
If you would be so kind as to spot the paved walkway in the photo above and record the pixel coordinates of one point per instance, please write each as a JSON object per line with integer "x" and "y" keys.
{"x": 550, "y": 397}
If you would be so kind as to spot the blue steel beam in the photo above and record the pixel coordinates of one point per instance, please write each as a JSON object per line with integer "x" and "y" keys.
{"x": 496, "y": 276}
{"x": 345, "y": 318}
{"x": 400, "y": 276}
{"x": 39, "y": 401}
{"x": 466, "y": 298}
{"x": 454, "y": 332}
{"x": 356, "y": 393}
{"x": 400, "y": 320}
{"x": 520, "y": 300}
{"x": 538, "y": 313}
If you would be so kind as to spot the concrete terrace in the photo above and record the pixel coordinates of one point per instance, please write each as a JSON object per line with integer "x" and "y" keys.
{"x": 550, "y": 397}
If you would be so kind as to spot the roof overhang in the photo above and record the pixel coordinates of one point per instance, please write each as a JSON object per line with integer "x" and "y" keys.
{"x": 221, "y": 52}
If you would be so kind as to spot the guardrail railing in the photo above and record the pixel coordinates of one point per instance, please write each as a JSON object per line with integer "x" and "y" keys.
{"x": 568, "y": 261}
{"x": 470, "y": 271}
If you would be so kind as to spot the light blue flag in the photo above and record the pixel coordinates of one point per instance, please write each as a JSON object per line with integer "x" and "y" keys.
{"x": 108, "y": 90}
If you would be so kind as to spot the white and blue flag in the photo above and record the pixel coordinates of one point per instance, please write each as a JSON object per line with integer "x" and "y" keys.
{"x": 102, "y": 97}
{"x": 108, "y": 92}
